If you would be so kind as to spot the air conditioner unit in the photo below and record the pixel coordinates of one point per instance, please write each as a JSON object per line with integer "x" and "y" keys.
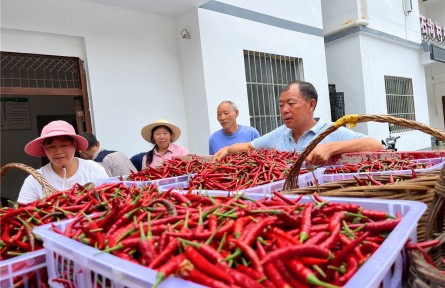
{"x": 407, "y": 6}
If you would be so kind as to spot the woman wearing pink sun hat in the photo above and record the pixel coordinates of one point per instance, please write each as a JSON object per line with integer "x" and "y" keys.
{"x": 59, "y": 142}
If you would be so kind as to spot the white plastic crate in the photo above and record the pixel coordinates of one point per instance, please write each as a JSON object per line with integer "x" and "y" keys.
{"x": 29, "y": 268}
{"x": 436, "y": 162}
{"x": 304, "y": 180}
{"x": 384, "y": 268}
{"x": 157, "y": 182}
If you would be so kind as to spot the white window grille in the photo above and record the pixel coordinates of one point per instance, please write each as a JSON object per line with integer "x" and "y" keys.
{"x": 266, "y": 75}
{"x": 399, "y": 100}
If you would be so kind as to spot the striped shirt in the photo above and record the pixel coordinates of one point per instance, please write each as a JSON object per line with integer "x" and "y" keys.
{"x": 116, "y": 163}
{"x": 282, "y": 138}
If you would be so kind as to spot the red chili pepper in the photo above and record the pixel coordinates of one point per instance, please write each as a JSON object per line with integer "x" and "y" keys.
{"x": 352, "y": 266}
{"x": 285, "y": 199}
{"x": 206, "y": 250}
{"x": 212, "y": 222}
{"x": 65, "y": 282}
{"x": 306, "y": 222}
{"x": 341, "y": 255}
{"x": 241, "y": 278}
{"x": 271, "y": 270}
{"x": 317, "y": 238}
{"x": 282, "y": 268}
{"x": 200, "y": 278}
{"x": 375, "y": 215}
{"x": 381, "y": 226}
{"x": 369, "y": 247}
{"x": 239, "y": 225}
{"x": 424, "y": 244}
{"x": 334, "y": 229}
{"x": 306, "y": 274}
{"x": 203, "y": 265}
{"x": 169, "y": 250}
{"x": 100, "y": 240}
{"x": 296, "y": 251}
{"x": 251, "y": 255}
{"x": 14, "y": 212}
{"x": 146, "y": 244}
{"x": 249, "y": 236}
{"x": 168, "y": 268}
{"x": 206, "y": 234}
{"x": 278, "y": 233}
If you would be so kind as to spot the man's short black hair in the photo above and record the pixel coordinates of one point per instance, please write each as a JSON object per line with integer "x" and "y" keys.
{"x": 306, "y": 89}
{"x": 92, "y": 141}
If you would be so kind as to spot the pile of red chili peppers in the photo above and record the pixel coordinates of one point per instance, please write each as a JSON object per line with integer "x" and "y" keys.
{"x": 233, "y": 172}
{"x": 16, "y": 224}
{"x": 378, "y": 165}
{"x": 234, "y": 241}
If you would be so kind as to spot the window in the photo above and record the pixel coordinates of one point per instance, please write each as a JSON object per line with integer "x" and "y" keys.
{"x": 399, "y": 100}
{"x": 39, "y": 71}
{"x": 266, "y": 75}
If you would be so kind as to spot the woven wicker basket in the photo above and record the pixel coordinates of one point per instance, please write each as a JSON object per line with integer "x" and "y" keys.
{"x": 421, "y": 273}
{"x": 424, "y": 188}
{"x": 47, "y": 188}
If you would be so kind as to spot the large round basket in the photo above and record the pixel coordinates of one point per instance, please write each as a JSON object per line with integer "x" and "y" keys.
{"x": 47, "y": 188}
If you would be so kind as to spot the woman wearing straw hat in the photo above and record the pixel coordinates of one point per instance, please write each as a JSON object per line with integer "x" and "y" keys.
{"x": 59, "y": 142}
{"x": 162, "y": 134}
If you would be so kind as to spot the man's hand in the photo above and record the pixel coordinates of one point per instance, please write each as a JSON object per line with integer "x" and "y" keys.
{"x": 320, "y": 155}
{"x": 234, "y": 148}
{"x": 323, "y": 152}
{"x": 221, "y": 153}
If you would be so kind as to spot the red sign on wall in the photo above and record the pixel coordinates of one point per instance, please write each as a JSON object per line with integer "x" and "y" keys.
{"x": 432, "y": 31}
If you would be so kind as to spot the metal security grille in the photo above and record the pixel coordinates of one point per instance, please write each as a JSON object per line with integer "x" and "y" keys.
{"x": 39, "y": 71}
{"x": 266, "y": 75}
{"x": 399, "y": 100}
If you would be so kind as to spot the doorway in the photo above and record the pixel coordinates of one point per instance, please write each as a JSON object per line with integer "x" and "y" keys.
{"x": 56, "y": 88}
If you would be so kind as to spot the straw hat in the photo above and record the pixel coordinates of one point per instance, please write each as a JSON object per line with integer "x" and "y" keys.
{"x": 53, "y": 129}
{"x": 147, "y": 130}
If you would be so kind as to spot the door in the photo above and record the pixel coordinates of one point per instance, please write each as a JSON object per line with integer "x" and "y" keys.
{"x": 56, "y": 88}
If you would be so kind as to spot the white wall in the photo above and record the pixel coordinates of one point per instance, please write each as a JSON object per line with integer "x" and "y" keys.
{"x": 389, "y": 17}
{"x": 338, "y": 12}
{"x": 382, "y": 57}
{"x": 299, "y": 11}
{"x": 357, "y": 65}
{"x": 435, "y": 79}
{"x": 224, "y": 37}
{"x": 132, "y": 60}
{"x": 192, "y": 71}
{"x": 345, "y": 67}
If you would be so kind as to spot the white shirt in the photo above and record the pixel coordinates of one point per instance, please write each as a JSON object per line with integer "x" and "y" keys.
{"x": 88, "y": 171}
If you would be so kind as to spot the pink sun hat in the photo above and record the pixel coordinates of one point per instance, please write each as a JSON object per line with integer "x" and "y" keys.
{"x": 53, "y": 129}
